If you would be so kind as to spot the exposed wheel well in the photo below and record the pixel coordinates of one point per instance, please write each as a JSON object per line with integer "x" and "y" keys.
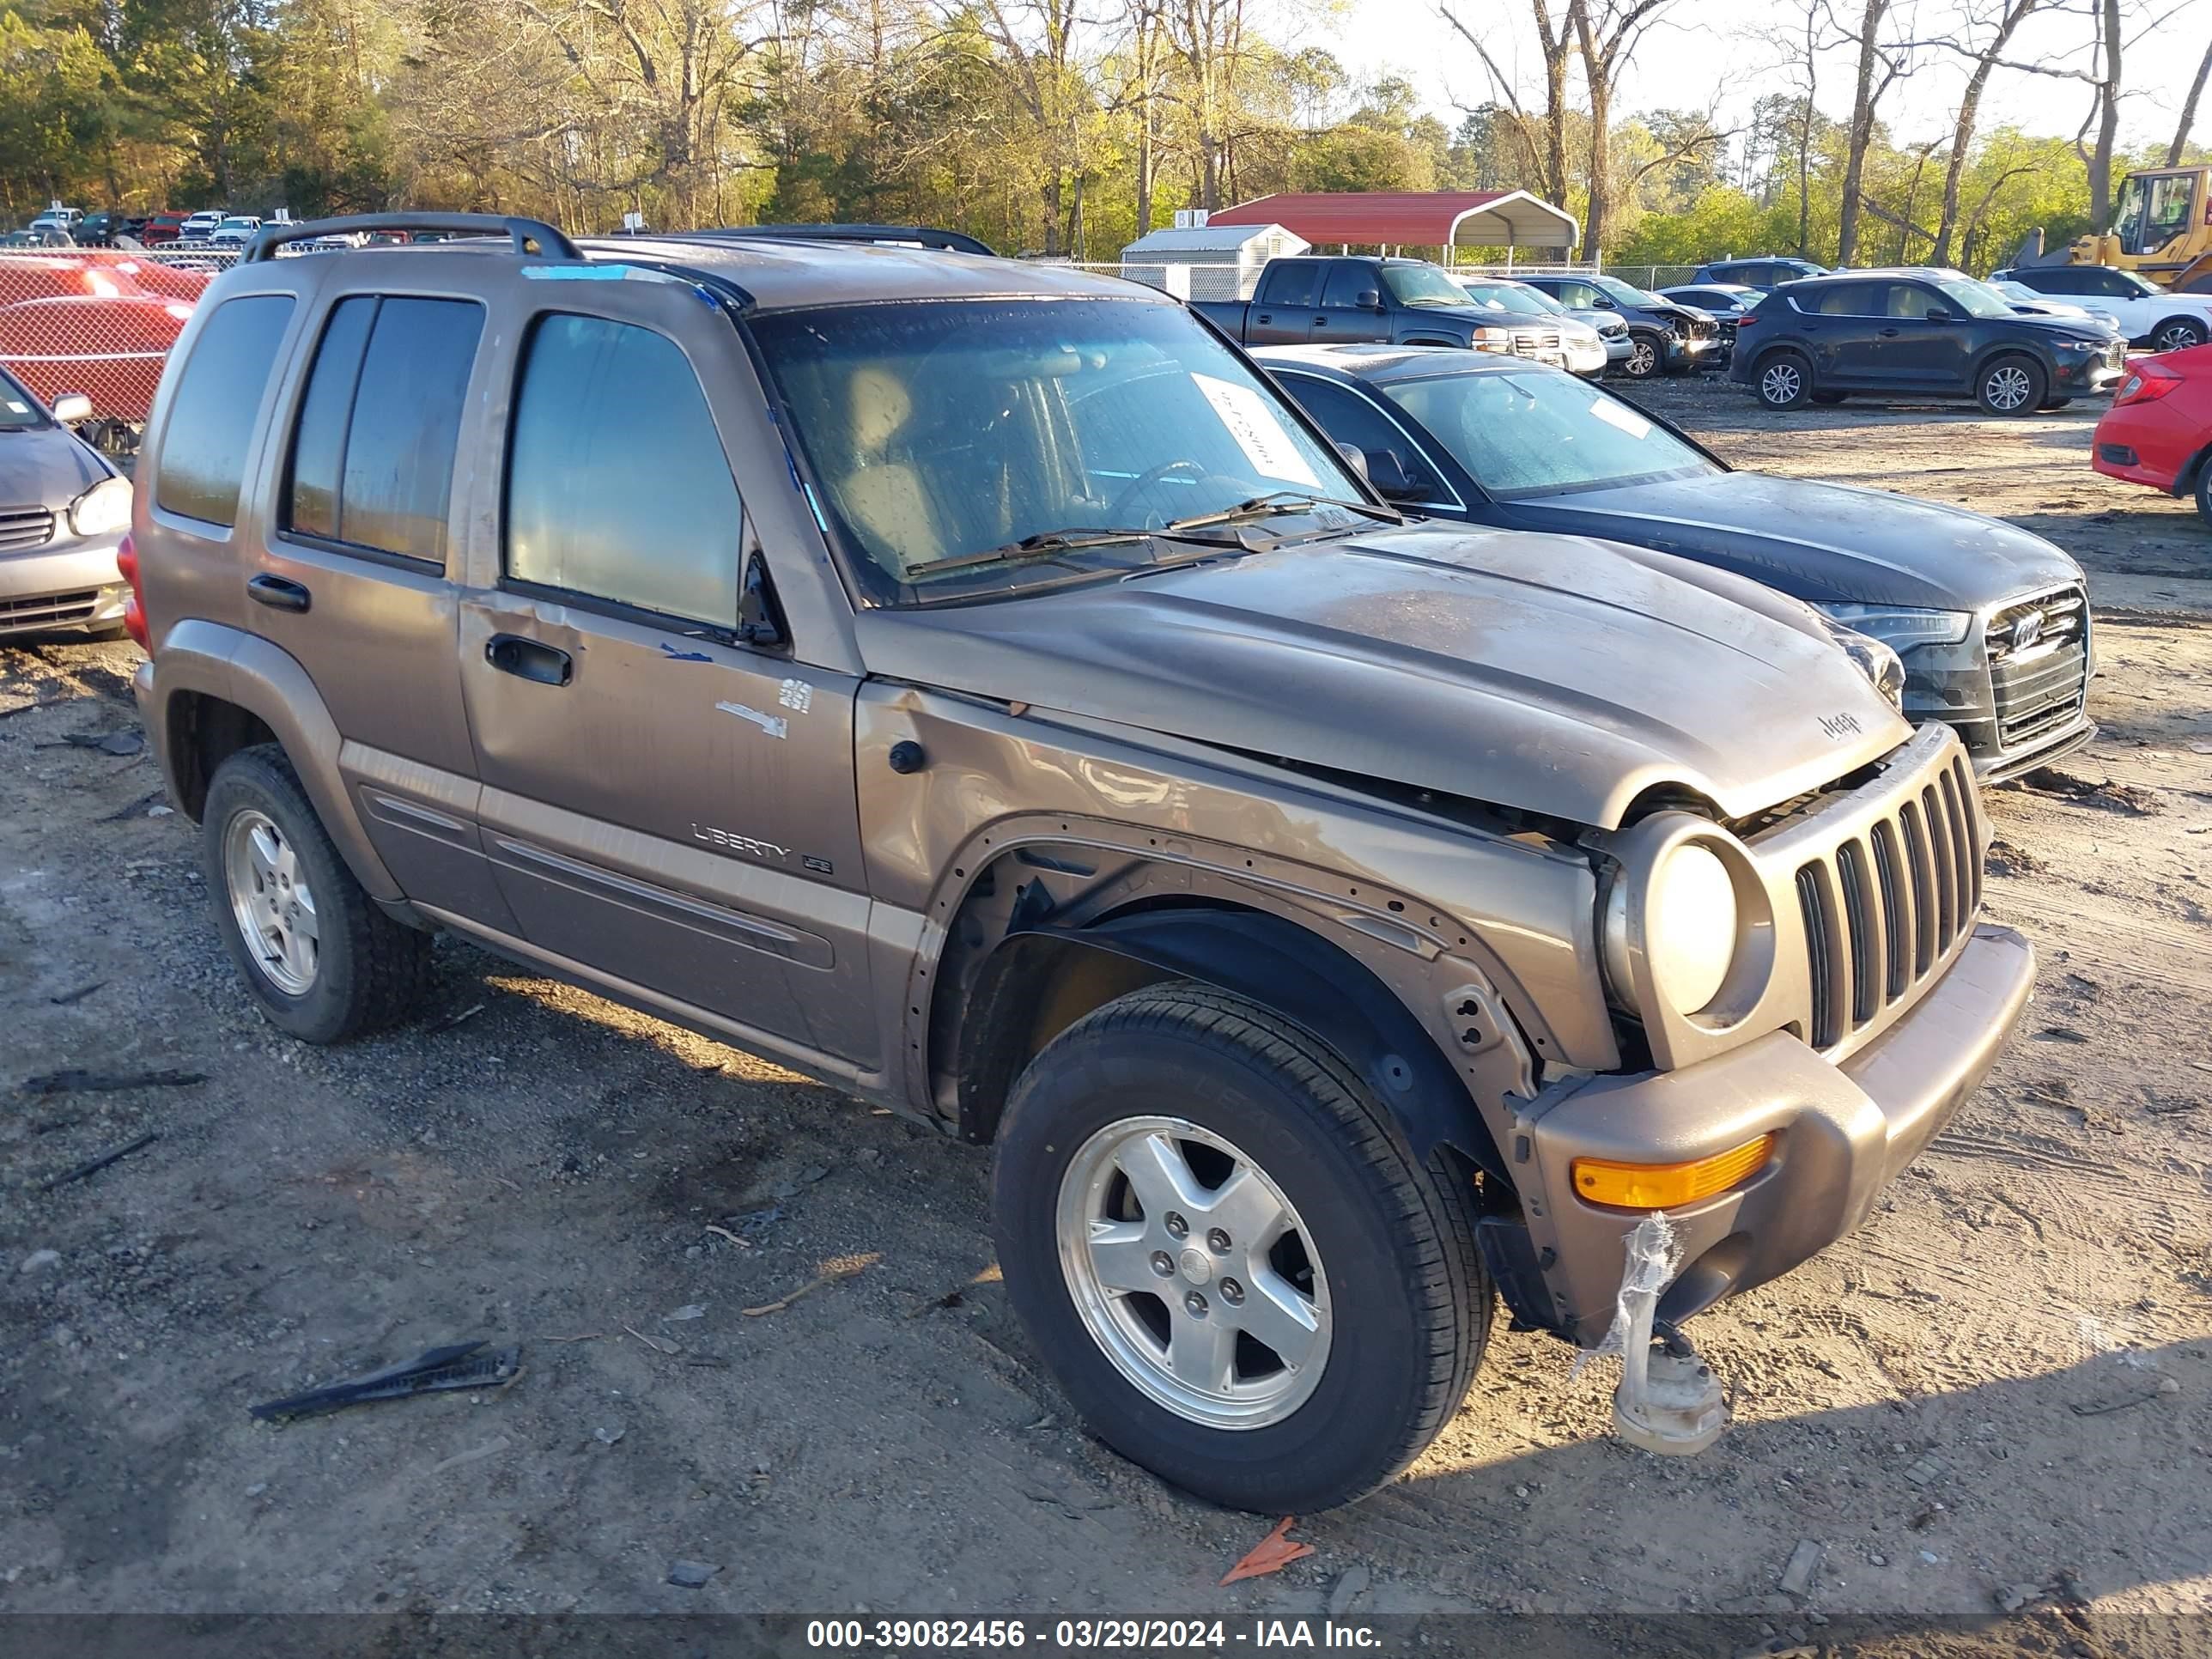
{"x": 1038, "y": 942}
{"x": 205, "y": 731}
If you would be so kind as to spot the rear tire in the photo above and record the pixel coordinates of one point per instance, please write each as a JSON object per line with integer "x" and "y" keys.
{"x": 2203, "y": 491}
{"x": 2179, "y": 334}
{"x": 1372, "y": 1256}
{"x": 1784, "y": 380}
{"x": 2011, "y": 386}
{"x": 321, "y": 959}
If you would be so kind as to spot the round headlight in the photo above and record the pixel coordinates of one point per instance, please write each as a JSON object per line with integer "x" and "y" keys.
{"x": 103, "y": 509}
{"x": 1690, "y": 929}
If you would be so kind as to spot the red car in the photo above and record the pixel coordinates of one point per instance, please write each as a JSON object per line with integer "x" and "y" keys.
{"x": 161, "y": 227}
{"x": 2159, "y": 429}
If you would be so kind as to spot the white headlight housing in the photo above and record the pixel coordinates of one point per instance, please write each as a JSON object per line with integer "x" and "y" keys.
{"x": 103, "y": 509}
{"x": 1690, "y": 928}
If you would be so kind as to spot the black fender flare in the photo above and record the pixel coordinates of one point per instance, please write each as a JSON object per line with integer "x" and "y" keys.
{"x": 1322, "y": 989}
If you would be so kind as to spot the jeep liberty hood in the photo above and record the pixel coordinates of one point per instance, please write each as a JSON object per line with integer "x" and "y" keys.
{"x": 1550, "y": 673}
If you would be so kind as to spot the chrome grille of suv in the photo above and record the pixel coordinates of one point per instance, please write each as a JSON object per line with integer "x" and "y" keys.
{"x": 25, "y": 527}
{"x": 1536, "y": 342}
{"x": 1883, "y": 908}
{"x": 2038, "y": 657}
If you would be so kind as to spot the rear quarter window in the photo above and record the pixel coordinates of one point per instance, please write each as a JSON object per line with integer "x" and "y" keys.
{"x": 220, "y": 390}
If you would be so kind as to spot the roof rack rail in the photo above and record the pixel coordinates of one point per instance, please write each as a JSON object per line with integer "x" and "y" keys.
{"x": 550, "y": 243}
{"x": 947, "y": 241}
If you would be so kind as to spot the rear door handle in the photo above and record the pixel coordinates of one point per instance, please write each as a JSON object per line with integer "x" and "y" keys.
{"x": 278, "y": 593}
{"x": 528, "y": 659}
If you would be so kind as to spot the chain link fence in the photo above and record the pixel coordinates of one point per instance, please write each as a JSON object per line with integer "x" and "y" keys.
{"x": 100, "y": 322}
{"x": 1214, "y": 280}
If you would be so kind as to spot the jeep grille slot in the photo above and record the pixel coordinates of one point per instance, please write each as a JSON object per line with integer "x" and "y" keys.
{"x": 1883, "y": 905}
{"x": 1896, "y": 919}
{"x": 1820, "y": 952}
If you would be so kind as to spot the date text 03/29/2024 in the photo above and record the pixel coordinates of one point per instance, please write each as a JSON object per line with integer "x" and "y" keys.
{"x": 1071, "y": 1635}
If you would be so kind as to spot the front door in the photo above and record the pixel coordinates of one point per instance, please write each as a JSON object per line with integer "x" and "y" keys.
{"x": 665, "y": 806}
{"x": 1342, "y": 318}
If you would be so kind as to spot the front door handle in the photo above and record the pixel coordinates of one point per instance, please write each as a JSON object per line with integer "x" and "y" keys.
{"x": 528, "y": 659}
{"x": 1265, "y": 318}
{"x": 1891, "y": 333}
{"x": 278, "y": 593}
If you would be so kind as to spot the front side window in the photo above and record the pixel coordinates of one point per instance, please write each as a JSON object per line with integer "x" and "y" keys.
{"x": 1351, "y": 418}
{"x": 1347, "y": 283}
{"x": 18, "y": 408}
{"x": 1529, "y": 432}
{"x": 617, "y": 487}
{"x": 373, "y": 454}
{"x": 942, "y": 429}
{"x": 1422, "y": 285}
{"x": 1965, "y": 294}
{"x": 1623, "y": 292}
{"x": 202, "y": 464}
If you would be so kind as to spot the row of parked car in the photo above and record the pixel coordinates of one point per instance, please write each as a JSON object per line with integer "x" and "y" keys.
{"x": 67, "y": 227}
{"x": 1359, "y": 826}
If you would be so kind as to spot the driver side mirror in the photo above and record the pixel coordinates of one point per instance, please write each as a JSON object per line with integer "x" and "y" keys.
{"x": 72, "y": 407}
{"x": 1386, "y": 472}
{"x": 1368, "y": 299}
{"x": 1937, "y": 314}
{"x": 1356, "y": 458}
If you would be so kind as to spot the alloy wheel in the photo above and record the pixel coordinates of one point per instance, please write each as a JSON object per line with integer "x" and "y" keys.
{"x": 2179, "y": 337}
{"x": 1194, "y": 1273}
{"x": 2008, "y": 387}
{"x": 1780, "y": 383}
{"x": 272, "y": 903}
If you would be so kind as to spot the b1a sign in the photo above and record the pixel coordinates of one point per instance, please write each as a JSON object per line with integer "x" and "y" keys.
{"x": 1191, "y": 218}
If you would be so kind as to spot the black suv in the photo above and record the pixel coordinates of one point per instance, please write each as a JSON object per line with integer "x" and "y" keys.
{"x": 1669, "y": 338}
{"x": 1917, "y": 333}
{"x": 1769, "y": 272}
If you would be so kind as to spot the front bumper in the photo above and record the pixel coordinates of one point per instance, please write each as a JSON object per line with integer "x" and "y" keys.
{"x": 58, "y": 588}
{"x": 2098, "y": 371}
{"x": 1843, "y": 1131}
{"x": 1587, "y": 358}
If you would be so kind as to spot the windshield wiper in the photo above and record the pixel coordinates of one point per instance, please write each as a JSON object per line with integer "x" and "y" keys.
{"x": 1281, "y": 500}
{"x": 1044, "y": 545}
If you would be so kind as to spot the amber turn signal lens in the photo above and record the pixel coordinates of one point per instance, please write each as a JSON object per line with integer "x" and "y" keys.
{"x": 1669, "y": 1186}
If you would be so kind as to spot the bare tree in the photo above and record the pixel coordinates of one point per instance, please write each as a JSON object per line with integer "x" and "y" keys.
{"x": 1878, "y": 68}
{"x": 2189, "y": 110}
{"x": 2104, "y": 114}
{"x": 2012, "y": 15}
{"x": 1555, "y": 36}
{"x": 1606, "y": 35}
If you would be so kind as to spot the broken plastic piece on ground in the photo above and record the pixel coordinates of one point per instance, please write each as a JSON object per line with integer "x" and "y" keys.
{"x": 1668, "y": 1402}
{"x": 1271, "y": 1554}
{"x": 458, "y": 1366}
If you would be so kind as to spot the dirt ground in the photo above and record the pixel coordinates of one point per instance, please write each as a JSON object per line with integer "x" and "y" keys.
{"x": 1970, "y": 1393}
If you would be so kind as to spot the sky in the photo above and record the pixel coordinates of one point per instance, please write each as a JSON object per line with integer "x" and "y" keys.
{"x": 1708, "y": 53}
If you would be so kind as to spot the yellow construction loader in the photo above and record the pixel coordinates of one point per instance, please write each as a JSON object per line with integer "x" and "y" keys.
{"x": 2162, "y": 230}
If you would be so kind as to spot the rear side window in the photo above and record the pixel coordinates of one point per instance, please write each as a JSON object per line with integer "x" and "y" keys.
{"x": 373, "y": 455}
{"x": 203, "y": 461}
{"x": 1291, "y": 283}
{"x": 1847, "y": 300}
{"x": 616, "y": 485}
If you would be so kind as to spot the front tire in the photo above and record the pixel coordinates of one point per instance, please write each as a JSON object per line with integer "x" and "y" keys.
{"x": 2012, "y": 385}
{"x": 324, "y": 963}
{"x": 1830, "y": 397}
{"x": 1644, "y": 359}
{"x": 2203, "y": 492}
{"x": 1227, "y": 1257}
{"x": 1784, "y": 380}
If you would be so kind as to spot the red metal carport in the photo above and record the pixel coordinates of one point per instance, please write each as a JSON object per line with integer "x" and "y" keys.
{"x": 1414, "y": 218}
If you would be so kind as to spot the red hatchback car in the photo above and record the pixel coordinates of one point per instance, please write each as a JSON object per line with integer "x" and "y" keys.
{"x": 2159, "y": 429}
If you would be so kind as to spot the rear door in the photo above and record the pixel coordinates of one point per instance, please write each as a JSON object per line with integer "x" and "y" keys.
{"x": 667, "y": 806}
{"x": 1282, "y": 310}
{"x": 1341, "y": 318}
{"x": 353, "y": 577}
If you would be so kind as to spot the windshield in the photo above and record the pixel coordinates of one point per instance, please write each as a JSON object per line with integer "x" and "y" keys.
{"x": 1625, "y": 292}
{"x": 1975, "y": 299}
{"x": 1504, "y": 296}
{"x": 18, "y": 408}
{"x": 1529, "y": 432}
{"x": 939, "y": 430}
{"x": 1422, "y": 285}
